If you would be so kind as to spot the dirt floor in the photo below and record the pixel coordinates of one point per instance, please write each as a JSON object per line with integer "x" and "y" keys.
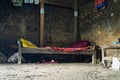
{"x": 61, "y": 71}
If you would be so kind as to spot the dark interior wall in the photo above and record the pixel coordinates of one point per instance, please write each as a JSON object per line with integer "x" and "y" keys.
{"x": 58, "y": 26}
{"x": 18, "y": 21}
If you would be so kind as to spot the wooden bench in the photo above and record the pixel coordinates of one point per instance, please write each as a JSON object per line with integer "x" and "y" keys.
{"x": 21, "y": 50}
{"x": 104, "y": 57}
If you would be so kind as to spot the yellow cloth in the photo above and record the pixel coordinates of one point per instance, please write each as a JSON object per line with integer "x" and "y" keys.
{"x": 26, "y": 43}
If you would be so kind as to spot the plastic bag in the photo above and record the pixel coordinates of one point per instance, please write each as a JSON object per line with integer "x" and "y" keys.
{"x": 26, "y": 43}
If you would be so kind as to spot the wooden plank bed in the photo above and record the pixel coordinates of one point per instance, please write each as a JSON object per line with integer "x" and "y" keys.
{"x": 23, "y": 50}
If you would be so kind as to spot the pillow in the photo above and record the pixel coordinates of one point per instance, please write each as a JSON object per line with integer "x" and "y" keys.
{"x": 81, "y": 43}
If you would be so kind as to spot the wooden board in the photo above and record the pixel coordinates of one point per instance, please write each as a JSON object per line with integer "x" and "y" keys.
{"x": 49, "y": 51}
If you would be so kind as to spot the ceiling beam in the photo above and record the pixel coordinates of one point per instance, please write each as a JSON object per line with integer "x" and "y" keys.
{"x": 61, "y": 3}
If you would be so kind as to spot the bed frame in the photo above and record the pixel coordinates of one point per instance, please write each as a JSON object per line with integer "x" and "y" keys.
{"x": 22, "y": 50}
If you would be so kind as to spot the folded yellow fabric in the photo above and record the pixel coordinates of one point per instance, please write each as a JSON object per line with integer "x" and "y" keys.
{"x": 28, "y": 44}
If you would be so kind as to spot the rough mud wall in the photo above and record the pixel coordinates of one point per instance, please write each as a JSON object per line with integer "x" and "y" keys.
{"x": 102, "y": 27}
{"x": 58, "y": 26}
{"x": 16, "y": 22}
{"x": 24, "y": 21}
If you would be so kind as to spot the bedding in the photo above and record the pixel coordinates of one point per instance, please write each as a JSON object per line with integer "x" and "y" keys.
{"x": 75, "y": 46}
{"x": 84, "y": 48}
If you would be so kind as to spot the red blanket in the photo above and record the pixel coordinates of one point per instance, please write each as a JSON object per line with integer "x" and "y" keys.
{"x": 69, "y": 49}
{"x": 75, "y": 46}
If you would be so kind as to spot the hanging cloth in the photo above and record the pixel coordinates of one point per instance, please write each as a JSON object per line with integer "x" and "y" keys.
{"x": 100, "y": 4}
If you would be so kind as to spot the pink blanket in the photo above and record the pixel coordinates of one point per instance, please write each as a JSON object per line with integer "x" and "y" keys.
{"x": 75, "y": 46}
{"x": 69, "y": 49}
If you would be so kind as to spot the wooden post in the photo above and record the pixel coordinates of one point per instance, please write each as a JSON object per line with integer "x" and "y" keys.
{"x": 103, "y": 62}
{"x": 75, "y": 24}
{"x": 19, "y": 52}
{"x": 41, "y": 22}
{"x": 94, "y": 57}
{"x": 75, "y": 19}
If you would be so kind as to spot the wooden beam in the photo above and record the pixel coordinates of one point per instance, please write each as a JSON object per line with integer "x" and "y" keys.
{"x": 61, "y": 3}
{"x": 41, "y": 22}
{"x": 75, "y": 23}
{"x": 75, "y": 19}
